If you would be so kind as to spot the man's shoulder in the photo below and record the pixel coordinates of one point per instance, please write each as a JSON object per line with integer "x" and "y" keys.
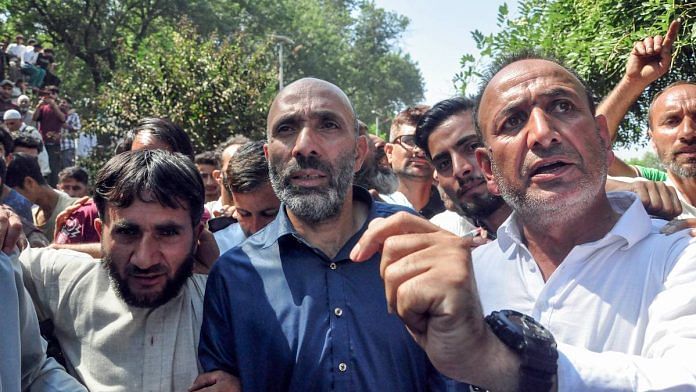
{"x": 64, "y": 269}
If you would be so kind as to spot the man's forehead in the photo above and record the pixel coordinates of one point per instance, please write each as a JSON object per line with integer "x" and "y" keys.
{"x": 677, "y": 95}
{"x": 524, "y": 75}
{"x": 405, "y": 129}
{"x": 450, "y": 132}
{"x": 307, "y": 96}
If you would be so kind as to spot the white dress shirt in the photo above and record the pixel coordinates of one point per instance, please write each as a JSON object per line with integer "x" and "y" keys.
{"x": 622, "y": 309}
{"x": 109, "y": 345}
{"x": 397, "y": 198}
{"x": 452, "y": 222}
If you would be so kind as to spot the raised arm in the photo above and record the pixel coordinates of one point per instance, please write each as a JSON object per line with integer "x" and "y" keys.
{"x": 648, "y": 61}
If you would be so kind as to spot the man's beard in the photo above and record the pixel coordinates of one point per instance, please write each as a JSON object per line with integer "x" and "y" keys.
{"x": 312, "y": 204}
{"x": 481, "y": 206}
{"x": 374, "y": 176}
{"x": 170, "y": 290}
{"x": 683, "y": 170}
{"x": 547, "y": 209}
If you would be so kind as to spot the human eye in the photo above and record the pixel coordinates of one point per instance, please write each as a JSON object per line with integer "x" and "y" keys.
{"x": 243, "y": 213}
{"x": 330, "y": 124}
{"x": 126, "y": 231}
{"x": 512, "y": 122}
{"x": 471, "y": 147}
{"x": 562, "y": 106}
{"x": 284, "y": 129}
{"x": 168, "y": 231}
{"x": 270, "y": 213}
{"x": 443, "y": 165}
{"x": 671, "y": 121}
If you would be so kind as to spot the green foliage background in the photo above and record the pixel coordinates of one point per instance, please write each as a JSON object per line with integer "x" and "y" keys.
{"x": 594, "y": 37}
{"x": 351, "y": 43}
{"x": 213, "y": 87}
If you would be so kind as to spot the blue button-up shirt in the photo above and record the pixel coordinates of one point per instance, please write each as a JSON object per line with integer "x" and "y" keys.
{"x": 281, "y": 315}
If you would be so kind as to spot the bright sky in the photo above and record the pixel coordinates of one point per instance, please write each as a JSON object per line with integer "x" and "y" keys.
{"x": 440, "y": 33}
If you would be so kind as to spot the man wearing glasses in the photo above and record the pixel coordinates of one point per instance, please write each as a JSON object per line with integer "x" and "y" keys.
{"x": 414, "y": 171}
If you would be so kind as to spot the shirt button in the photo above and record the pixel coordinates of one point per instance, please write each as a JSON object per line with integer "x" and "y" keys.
{"x": 338, "y": 312}
{"x": 333, "y": 266}
{"x": 342, "y": 367}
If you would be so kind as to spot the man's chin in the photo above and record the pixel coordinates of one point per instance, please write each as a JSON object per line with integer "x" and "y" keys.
{"x": 150, "y": 298}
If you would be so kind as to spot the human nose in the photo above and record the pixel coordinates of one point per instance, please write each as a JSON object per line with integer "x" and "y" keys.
{"x": 305, "y": 143}
{"x": 418, "y": 152}
{"x": 461, "y": 166}
{"x": 687, "y": 128}
{"x": 147, "y": 253}
{"x": 540, "y": 131}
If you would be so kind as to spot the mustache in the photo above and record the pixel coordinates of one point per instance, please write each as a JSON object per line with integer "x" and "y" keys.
{"x": 154, "y": 270}
{"x": 541, "y": 153}
{"x": 301, "y": 162}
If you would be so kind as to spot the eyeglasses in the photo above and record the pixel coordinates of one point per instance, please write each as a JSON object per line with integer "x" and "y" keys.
{"x": 406, "y": 141}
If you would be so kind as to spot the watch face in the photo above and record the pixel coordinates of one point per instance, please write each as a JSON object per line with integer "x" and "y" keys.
{"x": 522, "y": 322}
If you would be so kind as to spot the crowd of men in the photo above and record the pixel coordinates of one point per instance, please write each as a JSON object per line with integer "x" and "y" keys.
{"x": 491, "y": 243}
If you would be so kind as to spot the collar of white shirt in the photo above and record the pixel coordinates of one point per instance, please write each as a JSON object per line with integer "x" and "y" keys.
{"x": 633, "y": 226}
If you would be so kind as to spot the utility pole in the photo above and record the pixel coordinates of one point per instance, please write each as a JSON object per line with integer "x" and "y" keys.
{"x": 281, "y": 40}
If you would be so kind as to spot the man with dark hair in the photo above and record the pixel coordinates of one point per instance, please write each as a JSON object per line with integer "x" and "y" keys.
{"x": 22, "y": 207}
{"x": 24, "y": 175}
{"x": 446, "y": 133}
{"x": 9, "y": 196}
{"x": 6, "y": 96}
{"x": 74, "y": 181}
{"x": 408, "y": 162}
{"x": 256, "y": 205}
{"x": 319, "y": 322}
{"x": 207, "y": 162}
{"x": 595, "y": 297}
{"x": 224, "y": 205}
{"x": 50, "y": 119}
{"x": 27, "y": 145}
{"x": 156, "y": 132}
{"x": 151, "y": 133}
{"x": 131, "y": 321}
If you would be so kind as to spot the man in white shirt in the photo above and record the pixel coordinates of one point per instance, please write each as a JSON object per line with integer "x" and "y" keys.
{"x": 617, "y": 296}
{"x": 131, "y": 321}
{"x": 36, "y": 73}
{"x": 16, "y": 49}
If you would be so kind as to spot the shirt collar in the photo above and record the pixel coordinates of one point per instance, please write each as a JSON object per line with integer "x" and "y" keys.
{"x": 281, "y": 225}
{"x": 633, "y": 225}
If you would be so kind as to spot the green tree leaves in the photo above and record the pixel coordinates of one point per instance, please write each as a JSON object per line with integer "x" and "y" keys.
{"x": 212, "y": 87}
{"x": 594, "y": 37}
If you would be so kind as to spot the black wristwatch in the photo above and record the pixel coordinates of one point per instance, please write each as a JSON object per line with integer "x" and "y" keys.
{"x": 534, "y": 344}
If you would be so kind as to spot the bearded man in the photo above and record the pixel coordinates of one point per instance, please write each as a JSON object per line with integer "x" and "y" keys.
{"x": 130, "y": 322}
{"x": 287, "y": 310}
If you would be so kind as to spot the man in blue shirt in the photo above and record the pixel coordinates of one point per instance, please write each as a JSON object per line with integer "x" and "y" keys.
{"x": 288, "y": 310}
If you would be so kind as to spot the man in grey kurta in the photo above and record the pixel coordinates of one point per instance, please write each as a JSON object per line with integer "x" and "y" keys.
{"x": 131, "y": 321}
